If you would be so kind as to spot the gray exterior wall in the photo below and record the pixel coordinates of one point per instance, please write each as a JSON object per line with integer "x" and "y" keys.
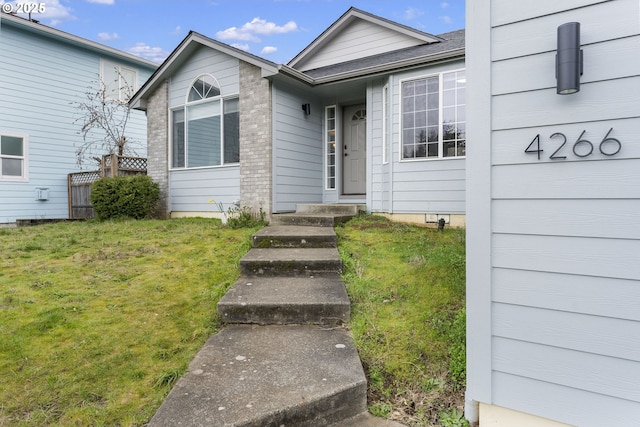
{"x": 41, "y": 77}
{"x": 380, "y": 176}
{"x": 221, "y": 66}
{"x": 360, "y": 39}
{"x": 552, "y": 271}
{"x": 192, "y": 189}
{"x": 297, "y": 147}
{"x": 410, "y": 186}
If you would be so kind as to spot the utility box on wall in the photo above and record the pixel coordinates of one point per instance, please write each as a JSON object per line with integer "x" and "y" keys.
{"x": 434, "y": 218}
{"x": 42, "y": 194}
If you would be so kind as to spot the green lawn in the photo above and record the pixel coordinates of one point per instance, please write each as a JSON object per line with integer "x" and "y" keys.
{"x": 98, "y": 319}
{"x": 407, "y": 288}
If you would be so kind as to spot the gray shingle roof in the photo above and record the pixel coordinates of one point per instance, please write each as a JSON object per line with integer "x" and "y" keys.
{"x": 451, "y": 41}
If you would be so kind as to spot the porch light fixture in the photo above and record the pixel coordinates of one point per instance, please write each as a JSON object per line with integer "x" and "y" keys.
{"x": 568, "y": 59}
{"x": 307, "y": 109}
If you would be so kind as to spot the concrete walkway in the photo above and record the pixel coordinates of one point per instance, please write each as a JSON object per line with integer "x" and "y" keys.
{"x": 283, "y": 358}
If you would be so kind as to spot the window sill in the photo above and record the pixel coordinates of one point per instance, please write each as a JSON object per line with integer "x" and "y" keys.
{"x": 226, "y": 166}
{"x": 432, "y": 159}
{"x": 11, "y": 179}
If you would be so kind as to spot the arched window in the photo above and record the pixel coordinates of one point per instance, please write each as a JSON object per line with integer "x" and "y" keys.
{"x": 204, "y": 87}
{"x": 206, "y": 129}
{"x": 359, "y": 115}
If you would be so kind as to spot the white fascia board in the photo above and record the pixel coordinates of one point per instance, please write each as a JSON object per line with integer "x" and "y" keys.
{"x": 265, "y": 65}
{"x": 181, "y": 54}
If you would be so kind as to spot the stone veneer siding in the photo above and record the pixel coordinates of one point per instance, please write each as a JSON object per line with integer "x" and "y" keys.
{"x": 157, "y": 145}
{"x": 255, "y": 139}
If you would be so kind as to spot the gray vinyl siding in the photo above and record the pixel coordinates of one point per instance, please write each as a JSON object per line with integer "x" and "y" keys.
{"x": 223, "y": 67}
{"x": 563, "y": 236}
{"x": 297, "y": 148}
{"x": 191, "y": 189}
{"x": 422, "y": 186}
{"x": 41, "y": 79}
{"x": 380, "y": 176}
{"x": 359, "y": 40}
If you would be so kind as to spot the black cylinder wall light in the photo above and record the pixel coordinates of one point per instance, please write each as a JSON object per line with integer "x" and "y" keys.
{"x": 568, "y": 59}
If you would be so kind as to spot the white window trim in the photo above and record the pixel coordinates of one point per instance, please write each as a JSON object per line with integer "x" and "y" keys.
{"x": 24, "y": 157}
{"x": 440, "y": 134}
{"x": 186, "y": 95}
{"x": 104, "y": 63}
{"x": 326, "y": 151}
{"x": 183, "y": 107}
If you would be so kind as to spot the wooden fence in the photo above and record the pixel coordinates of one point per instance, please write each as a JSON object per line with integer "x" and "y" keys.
{"x": 79, "y": 183}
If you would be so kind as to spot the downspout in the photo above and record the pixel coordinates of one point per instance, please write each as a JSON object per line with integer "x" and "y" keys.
{"x": 392, "y": 115}
{"x": 273, "y": 93}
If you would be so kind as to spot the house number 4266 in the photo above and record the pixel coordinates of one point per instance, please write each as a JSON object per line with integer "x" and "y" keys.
{"x": 581, "y": 147}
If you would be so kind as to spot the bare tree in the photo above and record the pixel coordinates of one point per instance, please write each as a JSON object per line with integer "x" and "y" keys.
{"x": 104, "y": 115}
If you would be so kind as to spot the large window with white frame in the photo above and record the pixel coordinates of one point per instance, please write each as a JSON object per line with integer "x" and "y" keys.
{"x": 206, "y": 130}
{"x": 13, "y": 157}
{"x": 434, "y": 116}
{"x": 120, "y": 82}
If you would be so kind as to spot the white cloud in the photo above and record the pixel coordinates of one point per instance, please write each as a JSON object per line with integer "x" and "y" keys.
{"x": 108, "y": 36}
{"x": 234, "y": 33}
{"x": 260, "y": 26}
{"x": 109, "y": 2}
{"x": 257, "y": 26}
{"x": 268, "y": 50}
{"x": 412, "y": 13}
{"x": 444, "y": 5}
{"x": 241, "y": 46}
{"x": 177, "y": 30}
{"x": 446, "y": 19}
{"x": 143, "y": 50}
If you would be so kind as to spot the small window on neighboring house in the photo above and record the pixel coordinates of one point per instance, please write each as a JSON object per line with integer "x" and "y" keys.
{"x": 206, "y": 130}
{"x": 13, "y": 149}
{"x": 433, "y": 116}
{"x": 120, "y": 81}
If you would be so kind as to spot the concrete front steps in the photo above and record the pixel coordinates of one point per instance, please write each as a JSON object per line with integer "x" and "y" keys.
{"x": 321, "y": 215}
{"x": 283, "y": 358}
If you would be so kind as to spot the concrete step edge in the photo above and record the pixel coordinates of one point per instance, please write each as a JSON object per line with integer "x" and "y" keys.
{"x": 254, "y": 376}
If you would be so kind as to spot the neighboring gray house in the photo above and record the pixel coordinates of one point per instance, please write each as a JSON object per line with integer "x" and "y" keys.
{"x": 43, "y": 71}
{"x": 553, "y": 236}
{"x": 371, "y": 112}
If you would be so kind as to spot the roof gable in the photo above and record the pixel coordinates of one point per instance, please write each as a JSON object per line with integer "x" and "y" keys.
{"x": 355, "y": 35}
{"x": 191, "y": 43}
{"x": 73, "y": 40}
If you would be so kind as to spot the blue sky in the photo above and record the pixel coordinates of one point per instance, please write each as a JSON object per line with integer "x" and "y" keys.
{"x": 276, "y": 30}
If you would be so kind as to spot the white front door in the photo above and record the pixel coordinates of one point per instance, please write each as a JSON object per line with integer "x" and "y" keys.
{"x": 354, "y": 150}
